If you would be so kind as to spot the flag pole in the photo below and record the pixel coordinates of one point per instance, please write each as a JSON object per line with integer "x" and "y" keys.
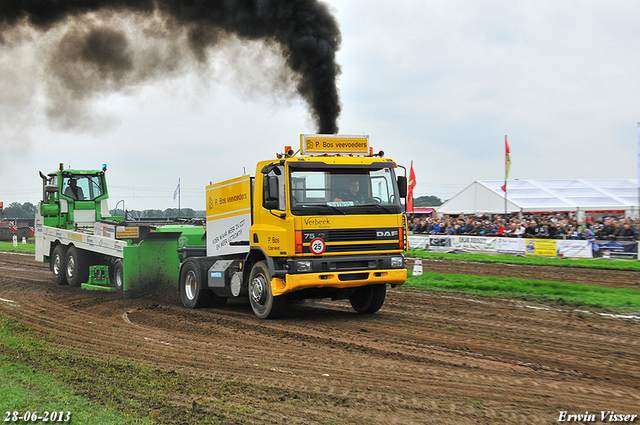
{"x": 639, "y": 176}
{"x": 506, "y": 171}
{"x": 179, "y": 190}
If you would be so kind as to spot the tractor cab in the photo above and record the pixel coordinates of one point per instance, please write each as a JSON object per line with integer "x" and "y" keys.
{"x": 74, "y": 198}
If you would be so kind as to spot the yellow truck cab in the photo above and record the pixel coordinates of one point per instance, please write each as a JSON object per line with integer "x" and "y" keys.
{"x": 324, "y": 222}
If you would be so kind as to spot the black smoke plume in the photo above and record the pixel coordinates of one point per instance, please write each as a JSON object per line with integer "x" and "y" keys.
{"x": 305, "y": 30}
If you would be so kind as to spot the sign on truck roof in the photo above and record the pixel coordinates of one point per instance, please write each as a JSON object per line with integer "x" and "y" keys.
{"x": 320, "y": 144}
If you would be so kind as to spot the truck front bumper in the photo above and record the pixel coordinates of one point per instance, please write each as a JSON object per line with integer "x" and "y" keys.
{"x": 336, "y": 279}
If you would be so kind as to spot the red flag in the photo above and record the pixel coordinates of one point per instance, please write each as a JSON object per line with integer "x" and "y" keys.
{"x": 412, "y": 184}
{"x": 507, "y": 159}
{"x": 503, "y": 187}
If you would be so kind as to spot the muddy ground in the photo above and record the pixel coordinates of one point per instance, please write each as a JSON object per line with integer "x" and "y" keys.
{"x": 425, "y": 357}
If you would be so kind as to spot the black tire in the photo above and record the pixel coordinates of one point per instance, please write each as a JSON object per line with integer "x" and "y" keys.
{"x": 192, "y": 292}
{"x": 118, "y": 275}
{"x": 58, "y": 259}
{"x": 368, "y": 299}
{"x": 263, "y": 303}
{"x": 76, "y": 266}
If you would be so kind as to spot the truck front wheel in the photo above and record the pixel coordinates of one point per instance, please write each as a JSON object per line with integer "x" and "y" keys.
{"x": 263, "y": 303}
{"x": 57, "y": 264}
{"x": 368, "y": 299}
{"x": 76, "y": 266}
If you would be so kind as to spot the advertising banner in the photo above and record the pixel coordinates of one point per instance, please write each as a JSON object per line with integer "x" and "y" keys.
{"x": 418, "y": 242}
{"x": 520, "y": 246}
{"x": 440, "y": 243}
{"x": 615, "y": 249}
{"x": 574, "y": 249}
{"x": 474, "y": 243}
{"x": 515, "y": 246}
{"x": 541, "y": 247}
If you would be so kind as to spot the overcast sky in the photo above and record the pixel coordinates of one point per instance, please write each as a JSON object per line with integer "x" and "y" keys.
{"x": 439, "y": 83}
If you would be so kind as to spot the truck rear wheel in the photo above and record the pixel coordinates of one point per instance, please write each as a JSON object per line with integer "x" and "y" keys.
{"x": 192, "y": 291}
{"x": 76, "y": 266}
{"x": 368, "y": 299}
{"x": 57, "y": 264}
{"x": 263, "y": 303}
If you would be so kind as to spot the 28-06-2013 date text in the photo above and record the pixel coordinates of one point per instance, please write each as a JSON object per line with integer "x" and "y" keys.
{"x": 46, "y": 416}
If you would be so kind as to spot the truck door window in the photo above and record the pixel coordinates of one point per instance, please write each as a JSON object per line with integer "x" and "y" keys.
{"x": 274, "y": 196}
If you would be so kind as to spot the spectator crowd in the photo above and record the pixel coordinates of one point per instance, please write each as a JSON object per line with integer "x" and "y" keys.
{"x": 551, "y": 226}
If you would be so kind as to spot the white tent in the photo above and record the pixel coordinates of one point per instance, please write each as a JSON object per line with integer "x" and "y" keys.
{"x": 577, "y": 196}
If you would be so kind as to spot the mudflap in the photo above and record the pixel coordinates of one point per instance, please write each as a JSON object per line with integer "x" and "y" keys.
{"x": 152, "y": 265}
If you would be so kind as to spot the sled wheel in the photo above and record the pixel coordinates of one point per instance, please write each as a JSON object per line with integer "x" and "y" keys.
{"x": 118, "y": 276}
{"x": 57, "y": 264}
{"x": 76, "y": 266}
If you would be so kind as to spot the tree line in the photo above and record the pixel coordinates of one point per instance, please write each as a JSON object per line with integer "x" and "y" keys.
{"x": 28, "y": 210}
{"x": 427, "y": 201}
{"x": 17, "y": 210}
{"x": 168, "y": 213}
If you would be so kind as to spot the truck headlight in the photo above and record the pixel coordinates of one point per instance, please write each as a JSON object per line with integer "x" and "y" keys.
{"x": 303, "y": 266}
{"x": 397, "y": 262}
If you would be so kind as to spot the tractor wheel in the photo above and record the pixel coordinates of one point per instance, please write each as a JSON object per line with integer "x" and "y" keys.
{"x": 368, "y": 299}
{"x": 57, "y": 264}
{"x": 77, "y": 266}
{"x": 118, "y": 276}
{"x": 263, "y": 303}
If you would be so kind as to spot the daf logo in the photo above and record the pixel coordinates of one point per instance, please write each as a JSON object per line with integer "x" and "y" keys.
{"x": 386, "y": 233}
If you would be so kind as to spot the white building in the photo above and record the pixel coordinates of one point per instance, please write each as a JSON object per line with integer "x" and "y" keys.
{"x": 581, "y": 197}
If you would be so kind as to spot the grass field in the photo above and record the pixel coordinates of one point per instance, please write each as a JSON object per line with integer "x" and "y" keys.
{"x": 530, "y": 260}
{"x": 8, "y": 247}
{"x": 36, "y": 377}
{"x": 619, "y": 300}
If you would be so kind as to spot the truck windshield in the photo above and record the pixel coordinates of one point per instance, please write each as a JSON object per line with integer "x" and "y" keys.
{"x": 82, "y": 187}
{"x": 342, "y": 190}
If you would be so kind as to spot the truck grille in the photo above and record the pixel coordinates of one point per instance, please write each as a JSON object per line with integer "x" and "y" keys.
{"x": 381, "y": 239}
{"x": 346, "y": 235}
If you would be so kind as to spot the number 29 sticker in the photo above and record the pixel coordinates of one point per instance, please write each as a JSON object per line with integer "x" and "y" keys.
{"x": 318, "y": 246}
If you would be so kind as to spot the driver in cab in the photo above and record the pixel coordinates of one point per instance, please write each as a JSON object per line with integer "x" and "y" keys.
{"x": 73, "y": 191}
{"x": 352, "y": 194}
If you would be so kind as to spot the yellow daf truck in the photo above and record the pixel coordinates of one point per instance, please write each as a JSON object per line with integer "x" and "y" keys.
{"x": 325, "y": 221}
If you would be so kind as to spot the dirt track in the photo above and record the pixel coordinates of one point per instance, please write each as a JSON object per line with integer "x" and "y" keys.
{"x": 424, "y": 358}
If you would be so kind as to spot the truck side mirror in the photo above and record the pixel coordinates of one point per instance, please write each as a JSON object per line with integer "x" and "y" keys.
{"x": 402, "y": 186}
{"x": 271, "y": 199}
